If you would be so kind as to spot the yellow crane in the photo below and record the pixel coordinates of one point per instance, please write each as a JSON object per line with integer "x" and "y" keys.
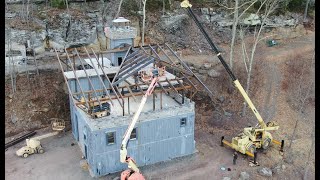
{"x": 251, "y": 137}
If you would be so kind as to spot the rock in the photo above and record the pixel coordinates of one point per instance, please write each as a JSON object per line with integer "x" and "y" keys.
{"x": 225, "y": 23}
{"x": 283, "y": 167}
{"x": 276, "y": 169}
{"x": 201, "y": 71}
{"x": 244, "y": 176}
{"x": 221, "y": 99}
{"x": 45, "y": 109}
{"x": 205, "y": 18}
{"x": 252, "y": 20}
{"x": 10, "y": 15}
{"x": 173, "y": 23}
{"x": 202, "y": 77}
{"x": 197, "y": 66}
{"x": 10, "y": 96}
{"x": 64, "y": 16}
{"x": 205, "y": 11}
{"x": 92, "y": 15}
{"x": 207, "y": 65}
{"x": 116, "y": 178}
{"x": 14, "y": 119}
{"x": 265, "y": 172}
{"x": 226, "y": 178}
{"x": 213, "y": 73}
{"x": 226, "y": 113}
{"x": 84, "y": 164}
{"x": 212, "y": 12}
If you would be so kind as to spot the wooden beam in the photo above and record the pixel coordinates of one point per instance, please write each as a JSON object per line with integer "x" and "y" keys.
{"x": 136, "y": 94}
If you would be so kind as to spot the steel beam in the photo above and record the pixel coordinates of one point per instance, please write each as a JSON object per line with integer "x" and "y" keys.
{"x": 101, "y": 67}
{"x": 99, "y": 77}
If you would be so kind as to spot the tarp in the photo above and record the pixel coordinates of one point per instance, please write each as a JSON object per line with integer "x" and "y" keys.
{"x": 106, "y": 62}
{"x": 120, "y": 19}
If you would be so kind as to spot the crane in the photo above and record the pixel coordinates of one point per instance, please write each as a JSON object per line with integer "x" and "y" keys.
{"x": 251, "y": 137}
{"x": 133, "y": 173}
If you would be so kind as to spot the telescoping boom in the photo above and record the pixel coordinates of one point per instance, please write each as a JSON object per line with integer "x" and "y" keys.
{"x": 133, "y": 172}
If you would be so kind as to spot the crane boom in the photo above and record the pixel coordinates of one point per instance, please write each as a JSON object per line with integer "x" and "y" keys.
{"x": 123, "y": 151}
{"x": 187, "y": 5}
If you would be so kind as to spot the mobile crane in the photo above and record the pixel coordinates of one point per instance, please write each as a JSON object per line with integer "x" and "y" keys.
{"x": 252, "y": 137}
{"x": 133, "y": 173}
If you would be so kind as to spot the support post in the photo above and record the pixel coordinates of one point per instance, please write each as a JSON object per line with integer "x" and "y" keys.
{"x": 282, "y": 144}
{"x": 128, "y": 106}
{"x": 255, "y": 157}
{"x": 182, "y": 96}
{"x": 122, "y": 102}
{"x": 161, "y": 100}
{"x": 221, "y": 144}
{"x": 154, "y": 102}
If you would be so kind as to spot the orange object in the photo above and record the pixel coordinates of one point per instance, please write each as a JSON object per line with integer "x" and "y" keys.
{"x": 131, "y": 175}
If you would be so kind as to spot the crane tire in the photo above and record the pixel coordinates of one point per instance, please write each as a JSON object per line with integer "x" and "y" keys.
{"x": 252, "y": 148}
{"x": 25, "y": 155}
{"x": 266, "y": 143}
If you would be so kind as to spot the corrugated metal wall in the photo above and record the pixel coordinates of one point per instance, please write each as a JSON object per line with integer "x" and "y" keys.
{"x": 157, "y": 140}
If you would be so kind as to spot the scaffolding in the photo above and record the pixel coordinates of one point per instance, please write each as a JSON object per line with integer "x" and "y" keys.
{"x": 124, "y": 81}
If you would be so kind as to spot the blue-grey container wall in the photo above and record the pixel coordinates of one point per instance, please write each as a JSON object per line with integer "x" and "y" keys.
{"x": 157, "y": 140}
{"x": 86, "y": 85}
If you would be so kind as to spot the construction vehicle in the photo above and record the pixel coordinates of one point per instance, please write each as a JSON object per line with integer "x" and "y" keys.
{"x": 133, "y": 173}
{"x": 34, "y": 146}
{"x": 251, "y": 137}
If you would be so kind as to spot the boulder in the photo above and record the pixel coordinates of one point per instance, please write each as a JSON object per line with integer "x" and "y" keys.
{"x": 244, "y": 176}
{"x": 226, "y": 113}
{"x": 265, "y": 172}
{"x": 205, "y": 11}
{"x": 221, "y": 99}
{"x": 213, "y": 73}
{"x": 207, "y": 65}
{"x": 202, "y": 71}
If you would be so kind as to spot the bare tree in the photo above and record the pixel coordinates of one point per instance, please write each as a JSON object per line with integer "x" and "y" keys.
{"x": 269, "y": 6}
{"x": 103, "y": 12}
{"x": 236, "y": 18}
{"x": 306, "y": 11}
{"x": 234, "y": 29}
{"x": 119, "y": 8}
{"x": 7, "y": 8}
{"x": 163, "y": 7}
{"x": 144, "y": 20}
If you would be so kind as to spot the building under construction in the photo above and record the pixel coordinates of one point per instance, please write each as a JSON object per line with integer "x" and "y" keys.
{"x": 105, "y": 91}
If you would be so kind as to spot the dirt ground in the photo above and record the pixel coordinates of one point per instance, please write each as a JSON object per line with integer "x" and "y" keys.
{"x": 62, "y": 160}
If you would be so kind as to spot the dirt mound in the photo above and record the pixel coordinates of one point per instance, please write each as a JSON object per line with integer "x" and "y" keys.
{"x": 35, "y": 102}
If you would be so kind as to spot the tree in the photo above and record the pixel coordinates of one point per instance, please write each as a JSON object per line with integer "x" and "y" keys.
{"x": 163, "y": 7}
{"x": 236, "y": 18}
{"x": 269, "y": 6}
{"x": 143, "y": 21}
{"x": 306, "y": 11}
{"x": 119, "y": 8}
{"x": 103, "y": 11}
